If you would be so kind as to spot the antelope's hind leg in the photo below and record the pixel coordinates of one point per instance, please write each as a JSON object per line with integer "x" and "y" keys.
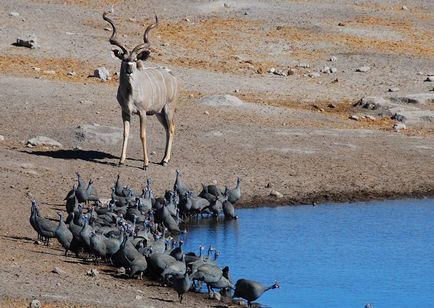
{"x": 166, "y": 119}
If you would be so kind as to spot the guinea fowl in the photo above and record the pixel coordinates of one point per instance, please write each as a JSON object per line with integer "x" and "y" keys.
{"x": 177, "y": 252}
{"x": 83, "y": 193}
{"x": 251, "y": 290}
{"x": 65, "y": 237}
{"x": 97, "y": 246}
{"x": 179, "y": 186}
{"x": 91, "y": 193}
{"x": 181, "y": 284}
{"x": 172, "y": 269}
{"x": 32, "y": 219}
{"x": 234, "y": 194}
{"x": 228, "y": 210}
{"x": 118, "y": 188}
{"x": 208, "y": 273}
{"x": 215, "y": 207}
{"x": 44, "y": 226}
{"x": 209, "y": 192}
{"x": 71, "y": 200}
{"x": 112, "y": 245}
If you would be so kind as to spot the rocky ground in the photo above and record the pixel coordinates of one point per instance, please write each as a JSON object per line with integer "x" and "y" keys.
{"x": 336, "y": 103}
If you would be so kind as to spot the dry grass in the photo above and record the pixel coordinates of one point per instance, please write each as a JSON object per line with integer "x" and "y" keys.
{"x": 49, "y": 68}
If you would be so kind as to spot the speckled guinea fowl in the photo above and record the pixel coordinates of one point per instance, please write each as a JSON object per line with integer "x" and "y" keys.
{"x": 251, "y": 290}
{"x": 181, "y": 284}
{"x": 44, "y": 226}
{"x": 63, "y": 234}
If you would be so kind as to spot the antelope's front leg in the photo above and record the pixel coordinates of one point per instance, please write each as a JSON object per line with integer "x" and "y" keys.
{"x": 143, "y": 139}
{"x": 126, "y": 119}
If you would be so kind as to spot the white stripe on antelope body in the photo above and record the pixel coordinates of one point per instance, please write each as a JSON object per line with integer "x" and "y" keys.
{"x": 144, "y": 91}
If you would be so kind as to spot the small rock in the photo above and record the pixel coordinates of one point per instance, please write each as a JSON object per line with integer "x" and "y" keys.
{"x": 325, "y": 70}
{"x": 139, "y": 297}
{"x": 206, "y": 112}
{"x": 69, "y": 33}
{"x": 37, "y": 242}
{"x": 404, "y": 8}
{"x": 2, "y": 138}
{"x": 369, "y": 117}
{"x": 279, "y": 73}
{"x": 419, "y": 73}
{"x": 93, "y": 272}
{"x": 187, "y": 19}
{"x": 49, "y": 72}
{"x": 398, "y": 126}
{"x": 398, "y": 117}
{"x": 153, "y": 153}
{"x": 37, "y": 69}
{"x": 226, "y": 5}
{"x": 30, "y": 42}
{"x": 354, "y": 117}
{"x": 290, "y": 72}
{"x": 14, "y": 14}
{"x": 71, "y": 73}
{"x": 333, "y": 70}
{"x": 303, "y": 65}
{"x": 58, "y": 270}
{"x": 102, "y": 73}
{"x": 430, "y": 79}
{"x": 108, "y": 29}
{"x": 246, "y": 13}
{"x": 269, "y": 185}
{"x": 394, "y": 89}
{"x": 35, "y": 304}
{"x": 314, "y": 75}
{"x": 341, "y": 24}
{"x": 275, "y": 193}
{"x": 236, "y": 91}
{"x": 271, "y": 70}
{"x": 331, "y": 105}
{"x": 363, "y": 69}
{"x": 333, "y": 59}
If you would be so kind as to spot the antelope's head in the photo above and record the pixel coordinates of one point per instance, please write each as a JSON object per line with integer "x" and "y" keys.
{"x": 131, "y": 59}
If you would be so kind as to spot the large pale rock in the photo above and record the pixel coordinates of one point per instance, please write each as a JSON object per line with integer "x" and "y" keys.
{"x": 95, "y": 133}
{"x": 44, "y": 141}
{"x": 420, "y": 98}
{"x": 221, "y": 100}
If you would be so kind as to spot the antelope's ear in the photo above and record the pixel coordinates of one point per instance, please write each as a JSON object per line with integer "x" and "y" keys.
{"x": 144, "y": 55}
{"x": 118, "y": 54}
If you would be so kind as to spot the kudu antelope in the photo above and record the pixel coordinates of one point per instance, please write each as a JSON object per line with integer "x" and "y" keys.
{"x": 144, "y": 91}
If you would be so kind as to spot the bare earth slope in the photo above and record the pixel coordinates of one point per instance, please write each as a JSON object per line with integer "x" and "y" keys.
{"x": 292, "y": 134}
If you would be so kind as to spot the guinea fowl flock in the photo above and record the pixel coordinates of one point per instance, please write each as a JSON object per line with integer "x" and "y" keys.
{"x": 136, "y": 231}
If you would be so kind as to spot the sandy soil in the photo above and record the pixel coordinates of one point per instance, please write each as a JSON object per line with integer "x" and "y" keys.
{"x": 284, "y": 138}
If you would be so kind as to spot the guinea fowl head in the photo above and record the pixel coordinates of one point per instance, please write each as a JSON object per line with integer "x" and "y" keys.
{"x": 276, "y": 285}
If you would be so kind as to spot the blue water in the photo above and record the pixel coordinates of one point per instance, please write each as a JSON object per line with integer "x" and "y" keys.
{"x": 330, "y": 255}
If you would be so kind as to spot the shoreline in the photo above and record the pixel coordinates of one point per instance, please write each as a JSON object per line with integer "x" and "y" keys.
{"x": 333, "y": 197}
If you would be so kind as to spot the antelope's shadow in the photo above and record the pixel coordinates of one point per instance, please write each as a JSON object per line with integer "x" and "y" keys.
{"x": 92, "y": 156}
